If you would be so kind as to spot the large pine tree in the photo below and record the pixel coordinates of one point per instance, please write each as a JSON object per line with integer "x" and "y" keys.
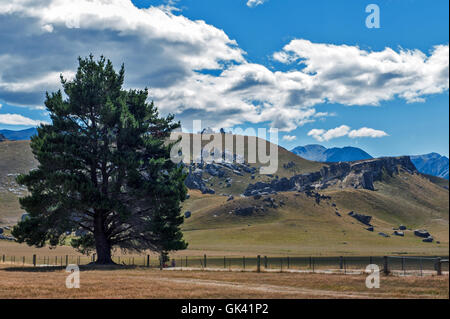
{"x": 104, "y": 170}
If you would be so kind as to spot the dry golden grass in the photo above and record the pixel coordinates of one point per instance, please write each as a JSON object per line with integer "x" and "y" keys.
{"x": 30, "y": 282}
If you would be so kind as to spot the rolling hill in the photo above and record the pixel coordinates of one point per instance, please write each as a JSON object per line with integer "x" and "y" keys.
{"x": 305, "y": 211}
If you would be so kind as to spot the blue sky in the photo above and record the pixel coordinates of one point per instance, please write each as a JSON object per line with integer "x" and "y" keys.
{"x": 412, "y": 115}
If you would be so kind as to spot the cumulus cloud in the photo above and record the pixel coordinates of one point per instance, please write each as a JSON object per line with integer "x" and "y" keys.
{"x": 344, "y": 130}
{"x": 322, "y": 135}
{"x": 255, "y": 3}
{"x": 17, "y": 119}
{"x": 174, "y": 57}
{"x": 352, "y": 76}
{"x": 289, "y": 138}
{"x": 366, "y": 132}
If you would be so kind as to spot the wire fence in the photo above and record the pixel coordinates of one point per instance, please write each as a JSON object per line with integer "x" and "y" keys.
{"x": 406, "y": 265}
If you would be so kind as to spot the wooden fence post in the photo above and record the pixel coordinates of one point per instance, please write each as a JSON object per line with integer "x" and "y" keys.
{"x": 204, "y": 261}
{"x": 265, "y": 262}
{"x": 341, "y": 262}
{"x": 224, "y": 262}
{"x": 439, "y": 266}
{"x": 34, "y": 260}
{"x": 403, "y": 265}
{"x": 258, "y": 263}
{"x": 148, "y": 261}
{"x": 288, "y": 262}
{"x": 243, "y": 262}
{"x": 67, "y": 260}
{"x": 386, "y": 265}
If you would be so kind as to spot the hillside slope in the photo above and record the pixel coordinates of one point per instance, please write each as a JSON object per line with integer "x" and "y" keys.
{"x": 291, "y": 222}
{"x": 15, "y": 158}
{"x": 298, "y": 224}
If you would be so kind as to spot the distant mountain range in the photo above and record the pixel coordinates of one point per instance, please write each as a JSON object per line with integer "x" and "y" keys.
{"x": 432, "y": 164}
{"x": 319, "y": 153}
{"x": 18, "y": 135}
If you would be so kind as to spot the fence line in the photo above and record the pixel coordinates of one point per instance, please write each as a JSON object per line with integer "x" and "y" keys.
{"x": 388, "y": 264}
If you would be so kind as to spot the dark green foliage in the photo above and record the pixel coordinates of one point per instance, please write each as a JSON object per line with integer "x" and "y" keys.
{"x": 104, "y": 169}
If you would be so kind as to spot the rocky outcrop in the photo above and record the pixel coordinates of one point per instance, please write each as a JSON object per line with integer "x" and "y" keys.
{"x": 360, "y": 174}
{"x": 422, "y": 233}
{"x": 298, "y": 182}
{"x": 194, "y": 180}
{"x": 365, "y": 219}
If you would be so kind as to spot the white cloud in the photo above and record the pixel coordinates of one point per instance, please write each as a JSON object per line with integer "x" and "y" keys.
{"x": 352, "y": 76}
{"x": 167, "y": 53}
{"x": 17, "y": 119}
{"x": 366, "y": 132}
{"x": 289, "y": 138}
{"x": 344, "y": 130}
{"x": 322, "y": 135}
{"x": 255, "y": 3}
{"x": 1, "y": 105}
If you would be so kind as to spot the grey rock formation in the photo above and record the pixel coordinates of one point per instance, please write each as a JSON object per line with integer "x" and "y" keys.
{"x": 399, "y": 233}
{"x": 360, "y": 174}
{"x": 194, "y": 180}
{"x": 422, "y": 233}
{"x": 383, "y": 234}
{"x": 365, "y": 219}
{"x": 429, "y": 239}
{"x": 187, "y": 214}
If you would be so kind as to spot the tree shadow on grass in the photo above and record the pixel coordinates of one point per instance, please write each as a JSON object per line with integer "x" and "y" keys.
{"x": 61, "y": 268}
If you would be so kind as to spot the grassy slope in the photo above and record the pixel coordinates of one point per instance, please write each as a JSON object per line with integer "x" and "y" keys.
{"x": 302, "y": 227}
{"x": 15, "y": 157}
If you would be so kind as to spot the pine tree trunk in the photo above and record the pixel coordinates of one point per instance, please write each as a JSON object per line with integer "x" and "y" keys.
{"x": 101, "y": 242}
